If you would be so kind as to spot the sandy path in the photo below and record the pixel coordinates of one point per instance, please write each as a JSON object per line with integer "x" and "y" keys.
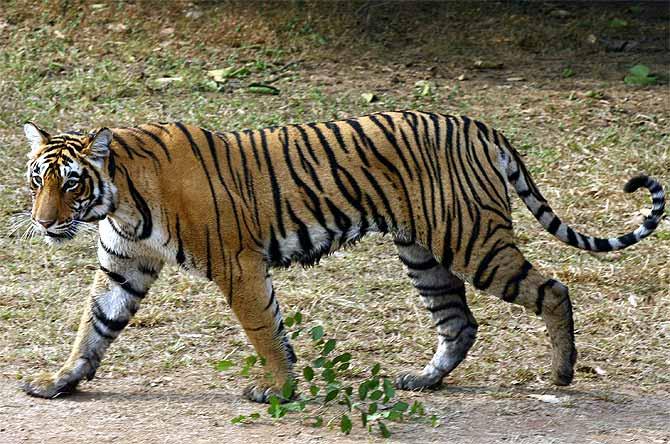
{"x": 130, "y": 411}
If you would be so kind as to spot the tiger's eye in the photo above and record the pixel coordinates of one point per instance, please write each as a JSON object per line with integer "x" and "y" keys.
{"x": 71, "y": 184}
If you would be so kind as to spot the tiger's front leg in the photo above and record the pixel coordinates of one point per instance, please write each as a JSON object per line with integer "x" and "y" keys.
{"x": 119, "y": 286}
{"x": 253, "y": 301}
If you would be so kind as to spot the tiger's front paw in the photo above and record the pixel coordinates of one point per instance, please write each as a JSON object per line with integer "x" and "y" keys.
{"x": 262, "y": 393}
{"x": 47, "y": 385}
{"x": 417, "y": 381}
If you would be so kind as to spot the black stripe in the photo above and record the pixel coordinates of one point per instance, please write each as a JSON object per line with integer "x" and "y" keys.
{"x": 111, "y": 165}
{"x": 147, "y": 270}
{"x": 222, "y": 137}
{"x": 307, "y": 143}
{"x": 335, "y": 129}
{"x": 484, "y": 265}
{"x": 123, "y": 283}
{"x": 426, "y": 265}
{"x": 572, "y": 238}
{"x": 159, "y": 127}
{"x": 215, "y": 158}
{"x": 254, "y": 150}
{"x": 342, "y": 221}
{"x": 158, "y": 141}
{"x": 602, "y": 244}
{"x": 306, "y": 165}
{"x": 249, "y": 195}
{"x": 142, "y": 207}
{"x": 541, "y": 295}
{"x": 448, "y": 305}
{"x": 447, "y": 319}
{"x": 119, "y": 232}
{"x": 111, "y": 252}
{"x": 274, "y": 253}
{"x": 474, "y": 236}
{"x": 126, "y": 147}
{"x": 456, "y": 335}
{"x": 272, "y": 299}
{"x": 276, "y": 190}
{"x": 382, "y": 195}
{"x": 512, "y": 287}
{"x": 140, "y": 143}
{"x": 390, "y": 137}
{"x": 102, "y": 333}
{"x": 209, "y": 254}
{"x": 111, "y": 324}
{"x": 422, "y": 191}
{"x": 513, "y": 177}
{"x": 304, "y": 238}
{"x": 554, "y": 225}
{"x": 181, "y": 257}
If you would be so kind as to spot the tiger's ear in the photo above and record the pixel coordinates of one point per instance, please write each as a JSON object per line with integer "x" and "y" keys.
{"x": 98, "y": 147}
{"x": 36, "y": 136}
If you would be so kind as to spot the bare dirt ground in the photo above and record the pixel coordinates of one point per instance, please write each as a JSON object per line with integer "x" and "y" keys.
{"x": 126, "y": 410}
{"x": 559, "y": 96}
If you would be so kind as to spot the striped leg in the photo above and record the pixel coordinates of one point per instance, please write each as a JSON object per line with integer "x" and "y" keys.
{"x": 504, "y": 272}
{"x": 115, "y": 297}
{"x": 255, "y": 306}
{"x": 443, "y": 294}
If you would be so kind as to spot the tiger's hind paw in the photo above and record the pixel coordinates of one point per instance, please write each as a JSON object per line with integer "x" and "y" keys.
{"x": 417, "y": 381}
{"x": 562, "y": 377}
{"x": 45, "y": 385}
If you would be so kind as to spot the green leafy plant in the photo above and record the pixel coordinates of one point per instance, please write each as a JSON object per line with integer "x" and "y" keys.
{"x": 567, "y": 73}
{"x": 374, "y": 401}
{"x": 424, "y": 88}
{"x": 640, "y": 75}
{"x": 618, "y": 23}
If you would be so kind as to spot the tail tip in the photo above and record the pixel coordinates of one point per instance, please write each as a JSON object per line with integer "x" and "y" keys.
{"x": 636, "y": 182}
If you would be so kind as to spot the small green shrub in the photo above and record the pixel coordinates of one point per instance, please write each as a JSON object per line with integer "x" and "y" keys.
{"x": 640, "y": 75}
{"x": 374, "y": 401}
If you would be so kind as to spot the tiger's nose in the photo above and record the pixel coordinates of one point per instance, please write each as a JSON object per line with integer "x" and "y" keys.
{"x": 46, "y": 223}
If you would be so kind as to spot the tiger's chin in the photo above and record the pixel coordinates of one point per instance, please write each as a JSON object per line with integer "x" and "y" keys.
{"x": 57, "y": 239}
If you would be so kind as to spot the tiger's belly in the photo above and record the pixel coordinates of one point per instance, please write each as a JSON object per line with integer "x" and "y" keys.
{"x": 308, "y": 245}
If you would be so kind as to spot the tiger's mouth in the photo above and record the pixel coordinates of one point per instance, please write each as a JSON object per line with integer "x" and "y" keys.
{"x": 59, "y": 237}
{"x": 62, "y": 233}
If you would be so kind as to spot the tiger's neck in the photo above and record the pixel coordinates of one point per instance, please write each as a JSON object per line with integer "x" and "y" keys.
{"x": 130, "y": 212}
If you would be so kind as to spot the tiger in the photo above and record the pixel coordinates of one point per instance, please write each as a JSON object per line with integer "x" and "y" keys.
{"x": 230, "y": 206}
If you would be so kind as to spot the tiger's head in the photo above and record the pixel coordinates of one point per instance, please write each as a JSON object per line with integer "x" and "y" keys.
{"x": 69, "y": 176}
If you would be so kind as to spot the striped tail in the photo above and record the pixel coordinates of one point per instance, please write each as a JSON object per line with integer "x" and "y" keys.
{"x": 519, "y": 177}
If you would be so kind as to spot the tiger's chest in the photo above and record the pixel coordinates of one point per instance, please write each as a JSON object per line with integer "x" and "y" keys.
{"x": 118, "y": 242}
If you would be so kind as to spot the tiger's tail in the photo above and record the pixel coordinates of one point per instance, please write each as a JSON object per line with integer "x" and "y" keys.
{"x": 519, "y": 177}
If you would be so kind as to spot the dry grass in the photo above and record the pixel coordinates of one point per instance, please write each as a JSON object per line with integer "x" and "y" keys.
{"x": 74, "y": 72}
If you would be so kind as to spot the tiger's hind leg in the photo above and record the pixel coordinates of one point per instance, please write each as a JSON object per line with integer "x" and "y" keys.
{"x": 504, "y": 272}
{"x": 443, "y": 294}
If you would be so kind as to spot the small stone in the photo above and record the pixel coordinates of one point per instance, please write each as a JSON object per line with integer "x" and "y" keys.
{"x": 117, "y": 27}
{"x": 560, "y": 13}
{"x": 486, "y": 64}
